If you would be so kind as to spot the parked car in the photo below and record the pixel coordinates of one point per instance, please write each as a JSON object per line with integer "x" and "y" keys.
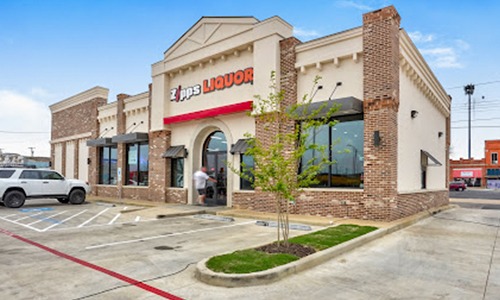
{"x": 18, "y": 184}
{"x": 457, "y": 186}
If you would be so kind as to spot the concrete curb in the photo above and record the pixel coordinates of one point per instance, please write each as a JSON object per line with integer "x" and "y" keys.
{"x": 208, "y": 276}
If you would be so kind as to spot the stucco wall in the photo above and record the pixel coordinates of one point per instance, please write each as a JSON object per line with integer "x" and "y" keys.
{"x": 420, "y": 133}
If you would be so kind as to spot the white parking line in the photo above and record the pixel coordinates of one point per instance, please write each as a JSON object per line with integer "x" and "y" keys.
{"x": 90, "y": 220}
{"x": 8, "y": 216}
{"x": 114, "y": 219}
{"x": 137, "y": 219}
{"x": 21, "y": 224}
{"x": 69, "y": 218}
{"x": 26, "y": 217}
{"x": 47, "y": 218}
{"x": 165, "y": 235}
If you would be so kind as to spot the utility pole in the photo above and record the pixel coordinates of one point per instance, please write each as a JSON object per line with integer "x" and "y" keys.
{"x": 469, "y": 90}
{"x": 32, "y": 151}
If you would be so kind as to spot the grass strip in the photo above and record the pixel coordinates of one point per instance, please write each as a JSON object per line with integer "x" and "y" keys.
{"x": 332, "y": 236}
{"x": 248, "y": 261}
{"x": 251, "y": 260}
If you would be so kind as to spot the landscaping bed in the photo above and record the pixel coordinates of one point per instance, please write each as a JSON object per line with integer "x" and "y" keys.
{"x": 273, "y": 255}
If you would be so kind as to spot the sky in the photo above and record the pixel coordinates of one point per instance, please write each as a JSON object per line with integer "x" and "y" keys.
{"x": 51, "y": 50}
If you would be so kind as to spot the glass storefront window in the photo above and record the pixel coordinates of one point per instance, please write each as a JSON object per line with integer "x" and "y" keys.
{"x": 108, "y": 165}
{"x": 177, "y": 172}
{"x": 137, "y": 164}
{"x": 344, "y": 147}
{"x": 246, "y": 160}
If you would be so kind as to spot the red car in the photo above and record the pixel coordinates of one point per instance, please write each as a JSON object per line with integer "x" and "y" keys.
{"x": 457, "y": 186}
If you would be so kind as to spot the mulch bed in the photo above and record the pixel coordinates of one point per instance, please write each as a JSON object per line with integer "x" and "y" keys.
{"x": 293, "y": 249}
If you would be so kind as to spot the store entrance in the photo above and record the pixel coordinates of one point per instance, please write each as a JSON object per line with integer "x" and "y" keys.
{"x": 215, "y": 159}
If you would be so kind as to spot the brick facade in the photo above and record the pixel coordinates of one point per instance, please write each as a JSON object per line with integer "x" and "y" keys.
{"x": 379, "y": 200}
{"x": 72, "y": 122}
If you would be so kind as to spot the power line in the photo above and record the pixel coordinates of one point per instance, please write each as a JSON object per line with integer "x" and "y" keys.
{"x": 491, "y": 119}
{"x": 478, "y": 126}
{"x": 481, "y": 83}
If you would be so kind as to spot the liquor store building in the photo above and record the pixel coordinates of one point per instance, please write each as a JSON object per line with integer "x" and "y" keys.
{"x": 390, "y": 145}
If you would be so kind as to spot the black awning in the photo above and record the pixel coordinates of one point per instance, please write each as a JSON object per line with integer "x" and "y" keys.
{"x": 240, "y": 147}
{"x": 347, "y": 106}
{"x": 432, "y": 158}
{"x": 175, "y": 152}
{"x": 100, "y": 142}
{"x": 133, "y": 137}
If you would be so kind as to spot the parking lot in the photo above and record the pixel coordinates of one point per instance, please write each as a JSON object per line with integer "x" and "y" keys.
{"x": 99, "y": 251}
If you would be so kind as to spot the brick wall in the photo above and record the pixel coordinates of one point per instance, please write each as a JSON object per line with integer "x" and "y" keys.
{"x": 75, "y": 120}
{"x": 159, "y": 167}
{"x": 380, "y": 106}
{"x": 176, "y": 195}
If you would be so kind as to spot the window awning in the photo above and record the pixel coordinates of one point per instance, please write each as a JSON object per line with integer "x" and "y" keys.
{"x": 347, "y": 106}
{"x": 100, "y": 142}
{"x": 240, "y": 147}
{"x": 435, "y": 162}
{"x": 133, "y": 137}
{"x": 175, "y": 152}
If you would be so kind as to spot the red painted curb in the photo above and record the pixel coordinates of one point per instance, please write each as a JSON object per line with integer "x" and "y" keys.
{"x": 121, "y": 277}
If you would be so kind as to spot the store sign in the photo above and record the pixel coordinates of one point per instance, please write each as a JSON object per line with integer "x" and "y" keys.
{"x": 467, "y": 174}
{"x": 217, "y": 83}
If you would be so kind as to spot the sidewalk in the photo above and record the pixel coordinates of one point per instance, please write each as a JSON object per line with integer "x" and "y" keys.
{"x": 176, "y": 209}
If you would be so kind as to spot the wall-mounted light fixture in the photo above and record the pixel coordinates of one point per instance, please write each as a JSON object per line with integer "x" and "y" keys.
{"x": 319, "y": 87}
{"x": 440, "y": 134}
{"x": 414, "y": 114}
{"x": 376, "y": 138}
{"x": 339, "y": 83}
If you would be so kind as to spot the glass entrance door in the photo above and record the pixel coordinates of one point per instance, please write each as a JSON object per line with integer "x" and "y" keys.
{"x": 215, "y": 159}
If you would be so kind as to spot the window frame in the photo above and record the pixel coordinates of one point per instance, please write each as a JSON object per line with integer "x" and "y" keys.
{"x": 140, "y": 176}
{"x": 173, "y": 173}
{"x": 494, "y": 161}
{"x": 108, "y": 166}
{"x": 331, "y": 156}
{"x": 249, "y": 185}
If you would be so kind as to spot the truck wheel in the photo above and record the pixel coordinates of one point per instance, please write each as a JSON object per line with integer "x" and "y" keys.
{"x": 14, "y": 199}
{"x": 77, "y": 196}
{"x": 63, "y": 200}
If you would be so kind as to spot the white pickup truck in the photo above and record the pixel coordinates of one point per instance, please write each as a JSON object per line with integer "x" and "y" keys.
{"x": 17, "y": 185}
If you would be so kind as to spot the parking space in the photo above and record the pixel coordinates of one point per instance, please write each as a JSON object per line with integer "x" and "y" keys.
{"x": 44, "y": 215}
{"x": 101, "y": 251}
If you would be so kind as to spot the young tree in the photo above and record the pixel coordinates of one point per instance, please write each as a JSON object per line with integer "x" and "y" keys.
{"x": 278, "y": 153}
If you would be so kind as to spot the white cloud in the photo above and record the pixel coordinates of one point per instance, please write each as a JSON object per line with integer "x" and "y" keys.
{"x": 442, "y": 57}
{"x": 445, "y": 57}
{"x": 299, "y": 32}
{"x": 418, "y": 37}
{"x": 353, "y": 4}
{"x": 19, "y": 115}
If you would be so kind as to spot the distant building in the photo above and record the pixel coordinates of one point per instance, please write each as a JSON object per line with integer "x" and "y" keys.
{"x": 484, "y": 172}
{"x": 13, "y": 160}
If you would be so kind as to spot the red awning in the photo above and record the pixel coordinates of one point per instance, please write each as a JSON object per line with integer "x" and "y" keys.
{"x": 208, "y": 113}
{"x": 468, "y": 173}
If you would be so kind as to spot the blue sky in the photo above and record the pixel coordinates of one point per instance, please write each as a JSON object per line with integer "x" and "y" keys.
{"x": 51, "y": 50}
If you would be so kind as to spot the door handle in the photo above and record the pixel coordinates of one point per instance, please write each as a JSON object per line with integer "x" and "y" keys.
{"x": 46, "y": 182}
{"x": 24, "y": 182}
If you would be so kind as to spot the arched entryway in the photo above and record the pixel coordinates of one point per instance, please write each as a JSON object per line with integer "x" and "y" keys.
{"x": 215, "y": 160}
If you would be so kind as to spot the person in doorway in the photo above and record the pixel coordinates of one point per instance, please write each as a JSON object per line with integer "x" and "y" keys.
{"x": 200, "y": 178}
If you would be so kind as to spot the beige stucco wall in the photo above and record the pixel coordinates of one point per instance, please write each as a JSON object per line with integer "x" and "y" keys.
{"x": 420, "y": 133}
{"x": 421, "y": 91}
{"x": 58, "y": 157}
{"x": 70, "y": 160}
{"x": 136, "y": 109}
{"x": 107, "y": 120}
{"x": 83, "y": 155}
{"x": 335, "y": 58}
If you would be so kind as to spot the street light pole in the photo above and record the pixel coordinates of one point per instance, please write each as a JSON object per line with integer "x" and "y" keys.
{"x": 469, "y": 90}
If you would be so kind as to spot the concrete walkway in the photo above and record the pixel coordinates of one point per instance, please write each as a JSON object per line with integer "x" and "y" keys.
{"x": 452, "y": 255}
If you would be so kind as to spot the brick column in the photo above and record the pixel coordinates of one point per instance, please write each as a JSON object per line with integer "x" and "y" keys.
{"x": 121, "y": 148}
{"x": 381, "y": 104}
{"x": 159, "y": 170}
